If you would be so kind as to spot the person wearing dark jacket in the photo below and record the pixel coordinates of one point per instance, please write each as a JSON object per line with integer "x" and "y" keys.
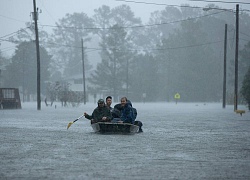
{"x": 125, "y": 113}
{"x": 100, "y": 114}
{"x": 138, "y": 123}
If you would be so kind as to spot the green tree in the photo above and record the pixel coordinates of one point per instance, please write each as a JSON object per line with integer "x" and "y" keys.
{"x": 105, "y": 17}
{"x": 214, "y": 26}
{"x": 116, "y": 42}
{"x": 186, "y": 68}
{"x": 22, "y": 71}
{"x": 144, "y": 78}
{"x": 185, "y": 46}
{"x": 244, "y": 67}
{"x": 112, "y": 73}
{"x": 65, "y": 43}
{"x": 162, "y": 26}
{"x": 3, "y": 63}
{"x": 28, "y": 34}
{"x": 245, "y": 90}
{"x": 244, "y": 61}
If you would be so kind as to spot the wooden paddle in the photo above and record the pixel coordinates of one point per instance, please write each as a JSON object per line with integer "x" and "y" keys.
{"x": 74, "y": 121}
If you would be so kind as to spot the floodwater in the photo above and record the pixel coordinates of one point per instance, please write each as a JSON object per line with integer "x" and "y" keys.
{"x": 180, "y": 141}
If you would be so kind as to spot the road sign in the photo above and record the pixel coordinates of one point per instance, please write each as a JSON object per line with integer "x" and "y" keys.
{"x": 177, "y": 96}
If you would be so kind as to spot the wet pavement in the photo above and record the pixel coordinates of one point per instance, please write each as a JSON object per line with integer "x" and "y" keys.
{"x": 183, "y": 141}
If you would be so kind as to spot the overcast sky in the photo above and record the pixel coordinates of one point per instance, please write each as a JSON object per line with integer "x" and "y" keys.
{"x": 14, "y": 13}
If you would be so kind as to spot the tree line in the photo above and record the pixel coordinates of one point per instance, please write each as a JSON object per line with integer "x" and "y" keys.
{"x": 177, "y": 50}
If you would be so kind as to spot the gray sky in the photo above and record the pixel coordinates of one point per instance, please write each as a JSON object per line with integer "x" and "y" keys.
{"x": 14, "y": 13}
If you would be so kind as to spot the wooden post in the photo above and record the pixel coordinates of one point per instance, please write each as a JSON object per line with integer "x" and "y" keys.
{"x": 236, "y": 60}
{"x": 83, "y": 75}
{"x": 225, "y": 69}
{"x": 38, "y": 58}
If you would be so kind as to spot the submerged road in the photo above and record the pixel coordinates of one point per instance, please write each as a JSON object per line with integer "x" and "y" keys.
{"x": 183, "y": 141}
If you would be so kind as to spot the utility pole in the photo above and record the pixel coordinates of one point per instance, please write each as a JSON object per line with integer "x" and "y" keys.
{"x": 83, "y": 74}
{"x": 114, "y": 77}
{"x": 236, "y": 59}
{"x": 38, "y": 58}
{"x": 127, "y": 78}
{"x": 225, "y": 69}
{"x": 23, "y": 73}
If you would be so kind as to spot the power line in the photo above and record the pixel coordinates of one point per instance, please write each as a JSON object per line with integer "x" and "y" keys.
{"x": 189, "y": 46}
{"x": 159, "y": 4}
{"x": 7, "y": 40}
{"x": 22, "y": 29}
{"x": 11, "y": 18}
{"x": 182, "y": 6}
{"x": 61, "y": 45}
{"x": 245, "y": 39}
{"x": 136, "y": 26}
{"x": 153, "y": 49}
{"x": 47, "y": 10}
{"x": 227, "y": 2}
{"x": 244, "y": 34}
{"x": 157, "y": 49}
{"x": 8, "y": 49}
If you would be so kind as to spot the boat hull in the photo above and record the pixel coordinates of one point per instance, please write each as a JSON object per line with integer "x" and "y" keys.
{"x": 114, "y": 128}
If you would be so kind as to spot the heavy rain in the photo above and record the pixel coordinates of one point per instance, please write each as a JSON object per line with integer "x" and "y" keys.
{"x": 182, "y": 65}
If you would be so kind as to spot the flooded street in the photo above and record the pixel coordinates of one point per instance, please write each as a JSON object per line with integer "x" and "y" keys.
{"x": 183, "y": 141}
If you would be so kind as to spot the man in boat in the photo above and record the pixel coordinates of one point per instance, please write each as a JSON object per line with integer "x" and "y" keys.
{"x": 127, "y": 114}
{"x": 125, "y": 109}
{"x": 109, "y": 102}
{"x": 115, "y": 113}
{"x": 100, "y": 114}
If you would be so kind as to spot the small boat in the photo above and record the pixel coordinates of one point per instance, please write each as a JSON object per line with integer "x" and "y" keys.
{"x": 114, "y": 128}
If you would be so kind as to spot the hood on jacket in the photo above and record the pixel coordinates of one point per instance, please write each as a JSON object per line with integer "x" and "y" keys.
{"x": 129, "y": 103}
